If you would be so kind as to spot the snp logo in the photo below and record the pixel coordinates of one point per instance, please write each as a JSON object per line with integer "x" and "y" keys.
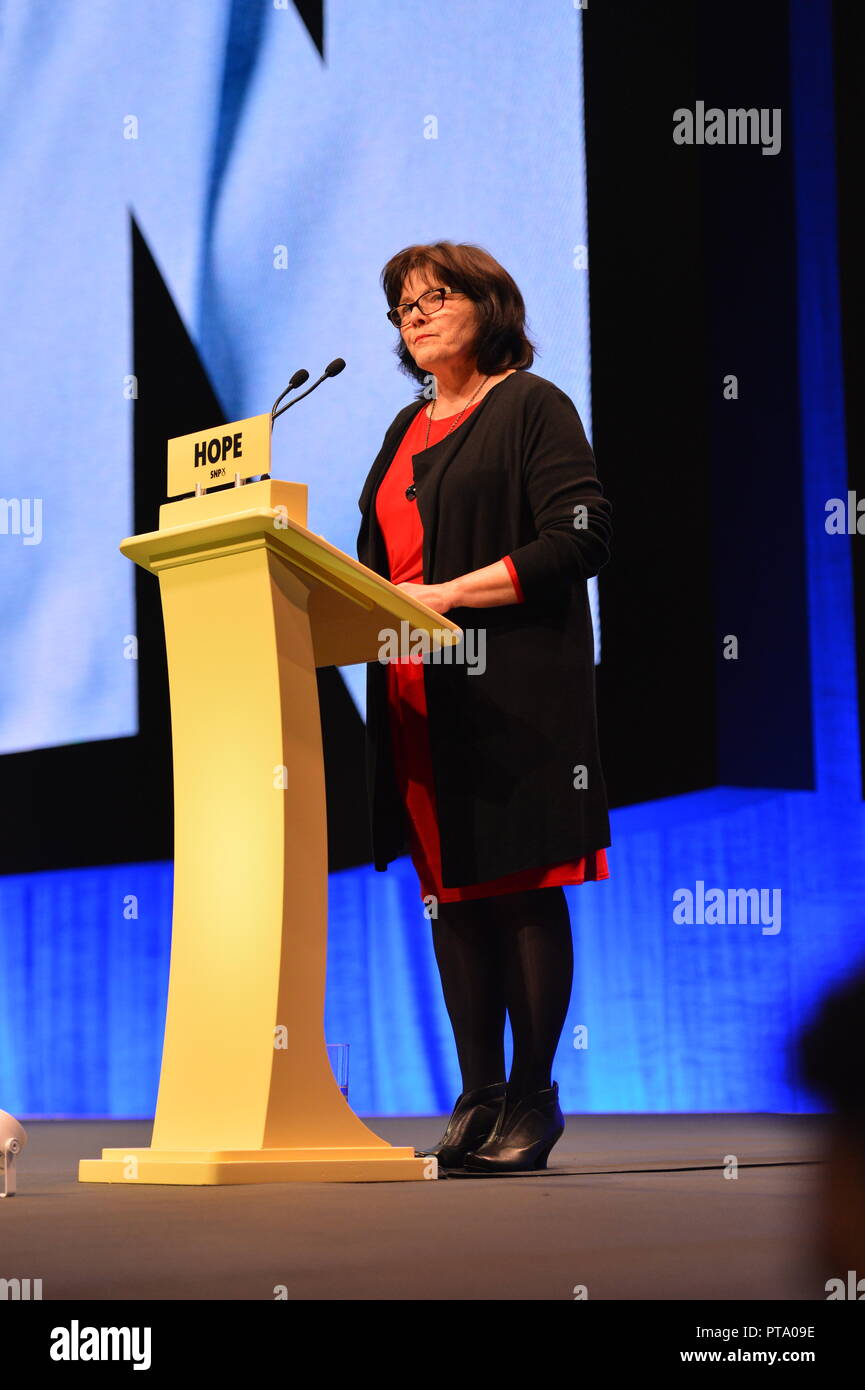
{"x": 20, "y": 1290}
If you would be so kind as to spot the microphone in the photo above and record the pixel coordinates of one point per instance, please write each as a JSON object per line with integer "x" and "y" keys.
{"x": 297, "y": 380}
{"x": 332, "y": 369}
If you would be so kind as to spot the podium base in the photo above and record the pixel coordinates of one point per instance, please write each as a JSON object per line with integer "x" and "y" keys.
{"x": 201, "y": 1167}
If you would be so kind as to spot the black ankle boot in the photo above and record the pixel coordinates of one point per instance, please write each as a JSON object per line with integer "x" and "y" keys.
{"x": 523, "y": 1135}
{"x": 473, "y": 1118}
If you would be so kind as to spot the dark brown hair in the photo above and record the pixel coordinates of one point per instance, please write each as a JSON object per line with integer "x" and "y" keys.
{"x": 502, "y": 340}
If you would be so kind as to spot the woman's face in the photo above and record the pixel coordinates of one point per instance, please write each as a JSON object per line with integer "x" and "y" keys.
{"x": 445, "y": 337}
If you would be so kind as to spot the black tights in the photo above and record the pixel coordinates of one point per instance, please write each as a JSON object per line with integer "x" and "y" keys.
{"x": 513, "y": 952}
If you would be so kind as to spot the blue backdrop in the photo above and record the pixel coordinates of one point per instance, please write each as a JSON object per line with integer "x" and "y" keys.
{"x": 271, "y": 187}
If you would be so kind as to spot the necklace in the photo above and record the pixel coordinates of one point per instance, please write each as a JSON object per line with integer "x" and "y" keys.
{"x": 411, "y": 492}
{"x": 456, "y": 418}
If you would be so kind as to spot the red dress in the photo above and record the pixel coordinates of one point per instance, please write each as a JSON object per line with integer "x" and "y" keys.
{"x": 402, "y": 530}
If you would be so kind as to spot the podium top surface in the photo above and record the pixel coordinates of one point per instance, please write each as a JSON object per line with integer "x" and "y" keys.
{"x": 349, "y": 604}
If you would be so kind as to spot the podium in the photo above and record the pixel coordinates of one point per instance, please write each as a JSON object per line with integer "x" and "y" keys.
{"x": 253, "y": 602}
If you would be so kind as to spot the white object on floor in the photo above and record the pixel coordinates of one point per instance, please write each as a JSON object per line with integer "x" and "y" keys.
{"x": 13, "y": 1138}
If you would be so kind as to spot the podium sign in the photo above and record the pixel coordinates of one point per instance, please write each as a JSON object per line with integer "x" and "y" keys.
{"x": 210, "y": 458}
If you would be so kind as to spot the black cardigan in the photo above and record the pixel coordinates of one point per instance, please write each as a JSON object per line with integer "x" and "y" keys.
{"x": 516, "y": 478}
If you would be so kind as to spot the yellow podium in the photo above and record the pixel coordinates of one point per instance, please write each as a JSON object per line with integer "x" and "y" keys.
{"x": 253, "y": 602}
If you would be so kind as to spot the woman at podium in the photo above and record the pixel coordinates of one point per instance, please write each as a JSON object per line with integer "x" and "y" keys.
{"x": 484, "y": 504}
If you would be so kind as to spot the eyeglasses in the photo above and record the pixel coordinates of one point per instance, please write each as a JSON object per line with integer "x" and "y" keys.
{"x": 429, "y": 303}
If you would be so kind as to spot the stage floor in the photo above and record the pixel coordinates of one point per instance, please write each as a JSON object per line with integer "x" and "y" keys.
{"x": 632, "y": 1207}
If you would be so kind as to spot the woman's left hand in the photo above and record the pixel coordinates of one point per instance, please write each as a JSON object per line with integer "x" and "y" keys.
{"x": 439, "y": 597}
